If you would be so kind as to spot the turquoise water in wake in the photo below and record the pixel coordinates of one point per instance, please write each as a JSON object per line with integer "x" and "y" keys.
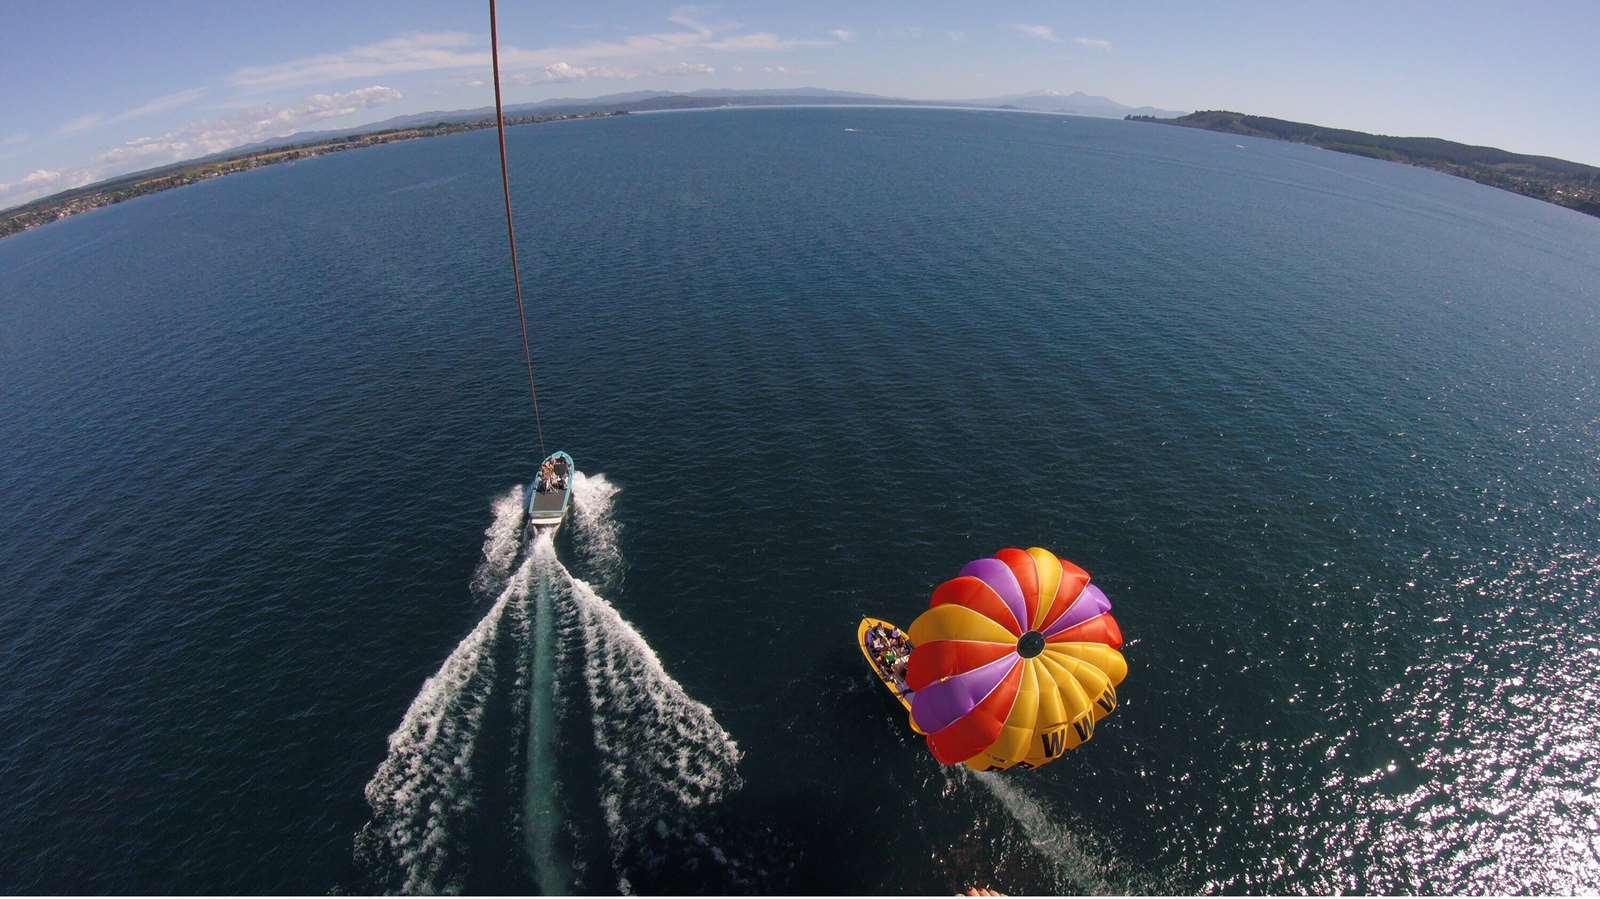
{"x": 1323, "y": 428}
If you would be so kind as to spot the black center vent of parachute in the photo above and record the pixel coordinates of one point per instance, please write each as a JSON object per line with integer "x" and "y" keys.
{"x": 1031, "y": 644}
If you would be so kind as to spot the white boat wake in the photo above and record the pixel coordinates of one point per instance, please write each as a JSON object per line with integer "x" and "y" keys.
{"x": 599, "y": 536}
{"x": 657, "y": 754}
{"x": 423, "y": 791}
{"x": 1081, "y": 871}
{"x": 661, "y": 752}
{"x": 501, "y": 542}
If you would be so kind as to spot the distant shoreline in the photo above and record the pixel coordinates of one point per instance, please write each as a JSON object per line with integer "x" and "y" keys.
{"x": 1560, "y": 182}
{"x": 66, "y": 204}
{"x": 1571, "y": 185}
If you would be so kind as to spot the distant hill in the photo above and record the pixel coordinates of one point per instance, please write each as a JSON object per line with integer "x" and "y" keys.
{"x": 1559, "y": 181}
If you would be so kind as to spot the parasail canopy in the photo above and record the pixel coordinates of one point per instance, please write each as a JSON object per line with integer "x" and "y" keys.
{"x": 1015, "y": 660}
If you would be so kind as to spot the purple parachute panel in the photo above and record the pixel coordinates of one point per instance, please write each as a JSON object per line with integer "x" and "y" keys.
{"x": 1090, "y": 602}
{"x": 998, "y": 576}
{"x": 944, "y": 702}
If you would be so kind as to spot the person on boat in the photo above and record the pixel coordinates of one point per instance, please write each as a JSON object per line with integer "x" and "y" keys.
{"x": 898, "y": 670}
{"x": 892, "y": 643}
{"x": 890, "y": 651}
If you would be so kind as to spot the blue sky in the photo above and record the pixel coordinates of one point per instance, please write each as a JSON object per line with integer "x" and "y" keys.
{"x": 94, "y": 89}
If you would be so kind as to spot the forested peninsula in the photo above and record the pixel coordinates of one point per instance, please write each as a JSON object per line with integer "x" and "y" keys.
{"x": 1570, "y": 184}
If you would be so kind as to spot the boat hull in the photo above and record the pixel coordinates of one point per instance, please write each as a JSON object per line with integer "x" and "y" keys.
{"x": 548, "y": 508}
{"x": 904, "y": 699}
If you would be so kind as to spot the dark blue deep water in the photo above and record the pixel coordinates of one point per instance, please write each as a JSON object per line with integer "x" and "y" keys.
{"x": 1324, "y": 428}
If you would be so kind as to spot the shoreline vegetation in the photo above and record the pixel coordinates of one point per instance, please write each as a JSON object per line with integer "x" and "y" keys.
{"x": 1570, "y": 184}
{"x": 68, "y": 203}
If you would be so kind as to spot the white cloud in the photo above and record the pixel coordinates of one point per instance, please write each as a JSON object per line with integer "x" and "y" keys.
{"x": 690, "y": 16}
{"x": 200, "y": 138}
{"x": 1093, "y": 43}
{"x": 686, "y": 68}
{"x": 39, "y": 183}
{"x": 1042, "y": 32}
{"x": 453, "y": 50}
{"x": 476, "y": 82}
{"x": 761, "y": 40}
{"x": 328, "y": 106}
{"x": 563, "y": 72}
{"x": 844, "y": 35}
{"x": 82, "y": 122}
{"x": 411, "y": 53}
{"x": 240, "y": 127}
{"x": 41, "y": 177}
{"x": 956, "y": 37}
{"x": 159, "y": 104}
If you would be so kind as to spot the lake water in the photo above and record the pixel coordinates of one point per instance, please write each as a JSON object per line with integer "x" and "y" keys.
{"x": 1325, "y": 430}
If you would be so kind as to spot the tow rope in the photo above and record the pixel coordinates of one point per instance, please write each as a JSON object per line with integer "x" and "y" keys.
{"x": 511, "y": 231}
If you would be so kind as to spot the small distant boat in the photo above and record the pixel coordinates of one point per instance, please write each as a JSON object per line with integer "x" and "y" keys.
{"x": 550, "y": 493}
{"x": 886, "y": 676}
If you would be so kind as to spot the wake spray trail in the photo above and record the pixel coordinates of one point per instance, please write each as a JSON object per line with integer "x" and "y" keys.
{"x": 541, "y": 811}
{"x": 423, "y": 789}
{"x": 501, "y": 541}
{"x": 661, "y": 753}
{"x": 1078, "y": 868}
{"x": 599, "y": 536}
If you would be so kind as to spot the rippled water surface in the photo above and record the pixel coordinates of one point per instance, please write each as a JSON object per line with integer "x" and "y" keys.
{"x": 1325, "y": 430}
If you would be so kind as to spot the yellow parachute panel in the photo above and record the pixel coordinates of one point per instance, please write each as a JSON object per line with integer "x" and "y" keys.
{"x": 1049, "y": 569}
{"x": 953, "y": 622}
